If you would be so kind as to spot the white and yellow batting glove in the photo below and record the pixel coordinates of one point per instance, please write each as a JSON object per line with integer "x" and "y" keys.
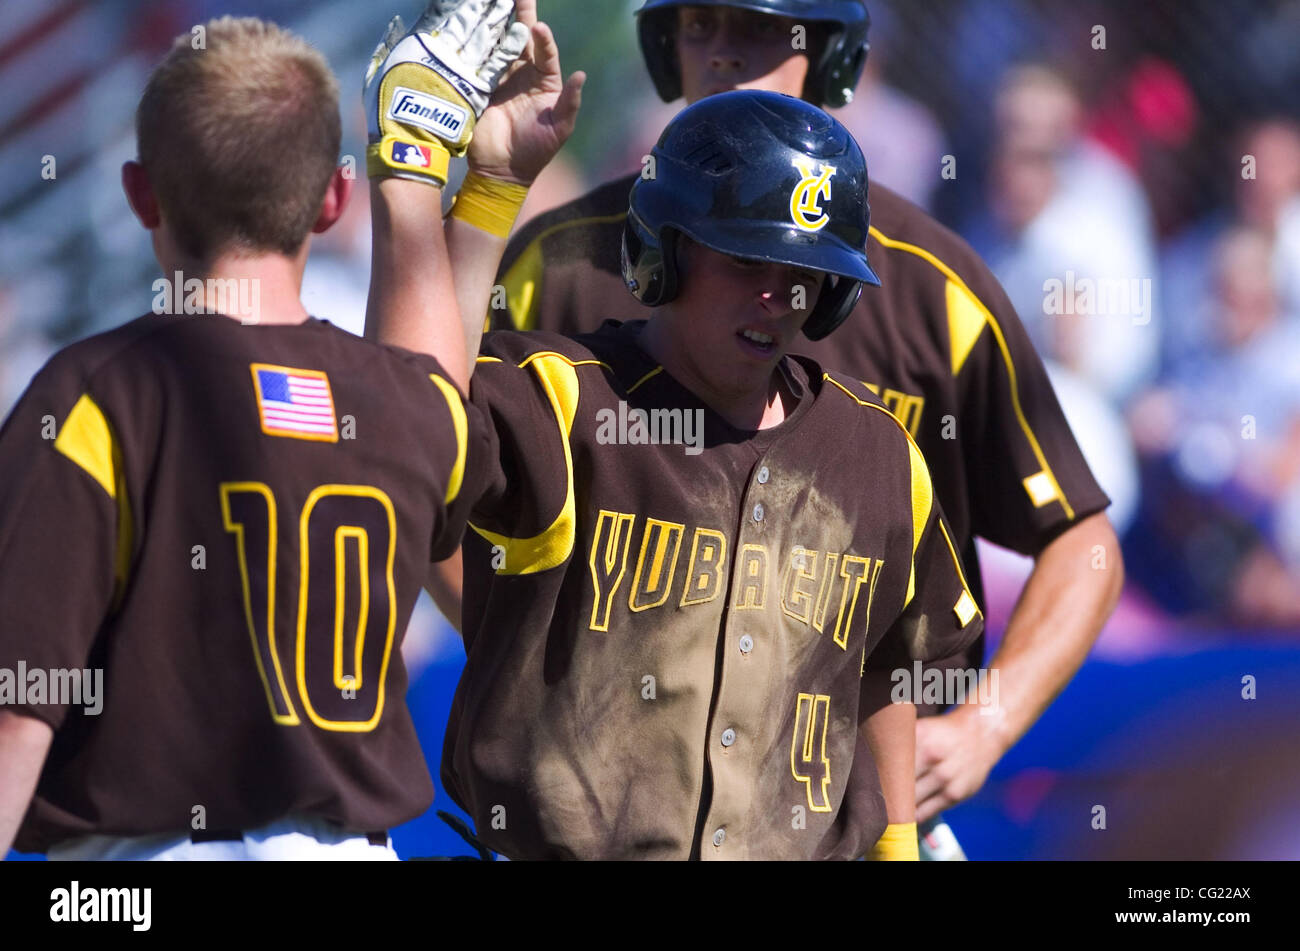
{"x": 426, "y": 87}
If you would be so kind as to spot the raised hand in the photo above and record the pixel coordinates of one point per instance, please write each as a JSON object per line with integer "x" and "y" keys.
{"x": 426, "y": 88}
{"x": 533, "y": 111}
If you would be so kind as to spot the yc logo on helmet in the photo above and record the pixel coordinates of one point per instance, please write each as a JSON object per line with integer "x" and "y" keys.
{"x": 813, "y": 188}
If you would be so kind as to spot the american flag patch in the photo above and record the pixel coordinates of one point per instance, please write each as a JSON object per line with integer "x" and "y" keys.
{"x": 295, "y": 403}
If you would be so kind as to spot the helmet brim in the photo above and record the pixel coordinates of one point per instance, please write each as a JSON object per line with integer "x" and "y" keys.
{"x": 764, "y": 241}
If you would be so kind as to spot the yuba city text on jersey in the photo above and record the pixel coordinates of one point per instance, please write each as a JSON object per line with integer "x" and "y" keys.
{"x": 821, "y": 589}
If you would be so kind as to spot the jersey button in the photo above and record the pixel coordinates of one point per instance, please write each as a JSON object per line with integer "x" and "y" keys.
{"x": 763, "y": 475}
{"x": 719, "y": 837}
{"x": 746, "y": 643}
{"x": 758, "y": 512}
{"x": 728, "y": 736}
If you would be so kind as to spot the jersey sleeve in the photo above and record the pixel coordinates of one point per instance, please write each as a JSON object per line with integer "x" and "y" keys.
{"x": 1029, "y": 479}
{"x": 465, "y": 446}
{"x": 940, "y": 618}
{"x": 64, "y": 534}
{"x": 525, "y": 503}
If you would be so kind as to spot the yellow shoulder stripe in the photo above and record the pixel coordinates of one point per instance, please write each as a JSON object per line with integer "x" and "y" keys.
{"x": 86, "y": 439}
{"x": 922, "y": 489}
{"x": 966, "y": 325}
{"x": 461, "y": 426}
{"x": 523, "y": 278}
{"x": 554, "y": 355}
{"x": 552, "y": 547}
{"x": 922, "y": 502}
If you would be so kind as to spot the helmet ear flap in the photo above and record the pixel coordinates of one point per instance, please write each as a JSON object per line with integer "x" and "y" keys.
{"x": 837, "y": 300}
{"x": 842, "y": 71}
{"x": 649, "y": 265}
{"x": 841, "y": 65}
{"x": 657, "y": 31}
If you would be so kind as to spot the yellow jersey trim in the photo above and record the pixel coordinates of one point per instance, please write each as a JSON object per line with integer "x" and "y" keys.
{"x": 461, "y": 426}
{"x": 965, "y": 323}
{"x": 553, "y": 546}
{"x": 645, "y": 379}
{"x": 922, "y": 496}
{"x": 998, "y": 336}
{"x": 87, "y": 440}
{"x": 922, "y": 503}
{"x": 523, "y": 278}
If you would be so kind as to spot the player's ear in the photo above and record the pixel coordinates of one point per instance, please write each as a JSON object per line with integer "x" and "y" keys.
{"x": 140, "y": 194}
{"x": 337, "y": 193}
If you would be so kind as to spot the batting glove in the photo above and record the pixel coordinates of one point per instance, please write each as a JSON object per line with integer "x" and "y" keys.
{"x": 426, "y": 87}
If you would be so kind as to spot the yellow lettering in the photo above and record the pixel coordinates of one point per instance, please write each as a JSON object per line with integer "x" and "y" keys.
{"x": 809, "y": 763}
{"x": 824, "y": 594}
{"x": 751, "y": 586}
{"x": 609, "y": 546}
{"x": 907, "y": 408}
{"x": 854, "y": 571}
{"x": 796, "y": 601}
{"x": 650, "y": 587}
{"x": 708, "y": 555}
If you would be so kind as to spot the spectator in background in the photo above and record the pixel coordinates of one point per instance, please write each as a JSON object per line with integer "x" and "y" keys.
{"x": 1147, "y": 119}
{"x": 1270, "y": 201}
{"x": 1264, "y": 162}
{"x": 1221, "y": 450}
{"x": 1066, "y": 210}
{"x": 23, "y": 350}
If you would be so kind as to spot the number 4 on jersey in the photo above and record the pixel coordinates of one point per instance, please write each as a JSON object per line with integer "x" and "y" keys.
{"x": 808, "y": 760}
{"x": 339, "y": 669}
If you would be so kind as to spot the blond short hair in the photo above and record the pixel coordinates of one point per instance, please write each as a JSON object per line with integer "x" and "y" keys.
{"x": 239, "y": 135}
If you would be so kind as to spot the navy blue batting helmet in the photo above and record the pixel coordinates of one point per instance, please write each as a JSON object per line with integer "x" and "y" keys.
{"x": 835, "y": 68}
{"x": 760, "y": 176}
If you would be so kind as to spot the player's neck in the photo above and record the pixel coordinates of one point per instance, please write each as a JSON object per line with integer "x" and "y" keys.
{"x": 253, "y": 289}
{"x": 743, "y": 407}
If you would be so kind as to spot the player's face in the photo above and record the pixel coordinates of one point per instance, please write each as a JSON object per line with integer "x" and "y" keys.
{"x": 741, "y": 316}
{"x": 723, "y": 48}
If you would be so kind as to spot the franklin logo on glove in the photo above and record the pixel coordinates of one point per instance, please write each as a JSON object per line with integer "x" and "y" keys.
{"x": 428, "y": 112}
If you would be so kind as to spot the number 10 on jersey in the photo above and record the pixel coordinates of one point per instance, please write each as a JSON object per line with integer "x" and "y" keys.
{"x": 338, "y": 668}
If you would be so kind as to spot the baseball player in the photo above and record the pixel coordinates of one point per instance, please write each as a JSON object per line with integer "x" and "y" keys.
{"x": 939, "y": 343}
{"x": 226, "y": 526}
{"x": 679, "y": 639}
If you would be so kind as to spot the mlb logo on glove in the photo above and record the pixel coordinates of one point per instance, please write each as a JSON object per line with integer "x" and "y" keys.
{"x": 406, "y": 153}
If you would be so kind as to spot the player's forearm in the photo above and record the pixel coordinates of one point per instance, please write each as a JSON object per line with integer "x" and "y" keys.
{"x": 891, "y": 733}
{"x": 412, "y": 301}
{"x": 24, "y": 741}
{"x": 475, "y": 257}
{"x": 1074, "y": 587}
{"x": 445, "y": 585}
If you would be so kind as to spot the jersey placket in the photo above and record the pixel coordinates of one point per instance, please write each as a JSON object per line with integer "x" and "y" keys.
{"x": 742, "y": 706}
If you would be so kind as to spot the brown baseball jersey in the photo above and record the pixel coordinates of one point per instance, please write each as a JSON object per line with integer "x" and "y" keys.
{"x": 939, "y": 342}
{"x": 231, "y": 525}
{"x": 667, "y": 619}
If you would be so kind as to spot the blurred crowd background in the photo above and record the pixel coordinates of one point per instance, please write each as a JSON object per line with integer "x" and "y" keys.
{"x": 1145, "y": 156}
